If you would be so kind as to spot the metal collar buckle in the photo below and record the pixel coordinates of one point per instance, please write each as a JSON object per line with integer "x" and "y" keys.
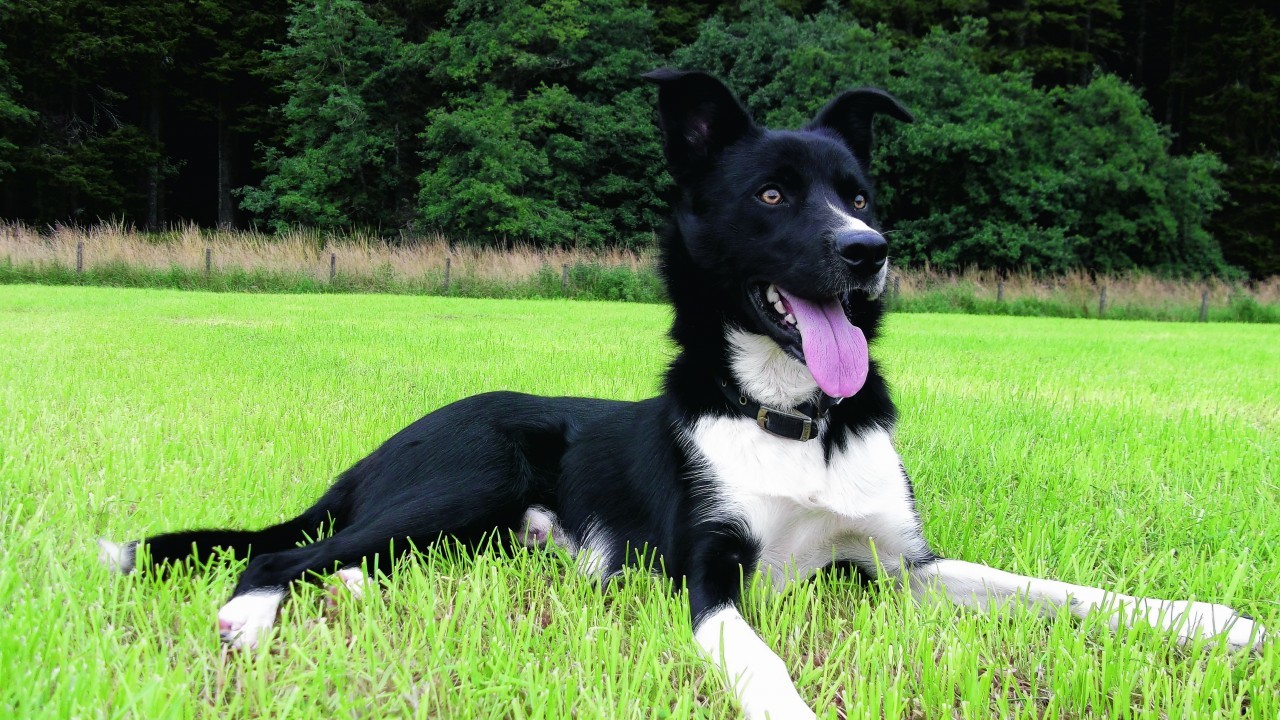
{"x": 806, "y": 431}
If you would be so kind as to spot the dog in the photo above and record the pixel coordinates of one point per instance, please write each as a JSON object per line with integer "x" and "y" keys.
{"x": 770, "y": 448}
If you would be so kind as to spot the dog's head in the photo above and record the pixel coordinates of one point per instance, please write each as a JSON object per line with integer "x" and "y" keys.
{"x": 781, "y": 223}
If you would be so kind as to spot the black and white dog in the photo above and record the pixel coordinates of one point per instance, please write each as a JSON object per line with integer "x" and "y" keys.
{"x": 770, "y": 449}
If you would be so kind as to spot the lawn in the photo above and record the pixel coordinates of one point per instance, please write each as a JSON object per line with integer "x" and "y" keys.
{"x": 1131, "y": 455}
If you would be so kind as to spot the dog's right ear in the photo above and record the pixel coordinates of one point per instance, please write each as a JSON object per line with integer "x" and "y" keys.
{"x": 700, "y": 117}
{"x": 850, "y": 116}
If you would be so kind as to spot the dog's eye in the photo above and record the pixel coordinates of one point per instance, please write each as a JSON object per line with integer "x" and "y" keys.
{"x": 770, "y": 196}
{"x": 860, "y": 202}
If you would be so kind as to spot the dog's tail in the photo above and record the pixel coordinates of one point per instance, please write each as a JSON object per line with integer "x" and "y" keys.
{"x": 203, "y": 544}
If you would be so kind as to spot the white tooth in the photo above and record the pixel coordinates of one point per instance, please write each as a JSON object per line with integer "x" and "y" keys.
{"x": 778, "y": 306}
{"x": 791, "y": 319}
{"x": 772, "y": 294}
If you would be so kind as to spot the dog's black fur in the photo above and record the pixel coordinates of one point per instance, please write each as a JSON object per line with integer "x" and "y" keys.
{"x": 476, "y": 465}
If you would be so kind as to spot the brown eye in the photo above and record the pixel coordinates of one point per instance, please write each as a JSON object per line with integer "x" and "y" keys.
{"x": 860, "y": 202}
{"x": 770, "y": 196}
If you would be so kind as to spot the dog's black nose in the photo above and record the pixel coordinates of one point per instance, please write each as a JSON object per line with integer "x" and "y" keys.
{"x": 864, "y": 251}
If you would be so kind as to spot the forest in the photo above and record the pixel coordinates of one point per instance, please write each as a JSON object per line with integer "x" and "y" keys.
{"x": 1050, "y": 135}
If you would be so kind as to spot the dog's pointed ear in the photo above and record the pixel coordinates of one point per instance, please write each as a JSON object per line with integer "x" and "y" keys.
{"x": 699, "y": 116}
{"x": 850, "y": 115}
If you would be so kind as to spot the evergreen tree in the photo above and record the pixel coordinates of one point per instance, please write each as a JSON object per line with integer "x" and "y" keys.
{"x": 13, "y": 115}
{"x": 228, "y": 83}
{"x": 95, "y": 75}
{"x": 337, "y": 165}
{"x": 546, "y": 132}
{"x": 1229, "y": 84}
{"x": 1058, "y": 41}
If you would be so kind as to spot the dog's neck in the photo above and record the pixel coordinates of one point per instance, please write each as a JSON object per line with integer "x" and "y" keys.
{"x": 767, "y": 374}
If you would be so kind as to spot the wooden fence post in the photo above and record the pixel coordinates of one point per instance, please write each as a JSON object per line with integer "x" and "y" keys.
{"x": 333, "y": 266}
{"x": 208, "y": 262}
{"x": 79, "y": 256}
{"x": 999, "y": 291}
{"x": 1204, "y": 306}
{"x": 564, "y": 279}
{"x": 1102, "y": 301}
{"x": 897, "y": 291}
{"x": 448, "y": 267}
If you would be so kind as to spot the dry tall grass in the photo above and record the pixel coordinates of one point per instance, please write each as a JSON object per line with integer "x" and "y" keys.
{"x": 1080, "y": 288}
{"x": 298, "y": 251}
{"x": 308, "y": 252}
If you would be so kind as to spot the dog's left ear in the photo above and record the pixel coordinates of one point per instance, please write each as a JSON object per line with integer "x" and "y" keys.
{"x": 700, "y": 117}
{"x": 851, "y": 114}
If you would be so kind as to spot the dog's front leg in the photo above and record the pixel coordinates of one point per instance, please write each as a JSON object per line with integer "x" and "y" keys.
{"x": 757, "y": 676}
{"x": 982, "y": 587}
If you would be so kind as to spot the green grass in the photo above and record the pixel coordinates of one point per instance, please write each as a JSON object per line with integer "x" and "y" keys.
{"x": 1135, "y": 456}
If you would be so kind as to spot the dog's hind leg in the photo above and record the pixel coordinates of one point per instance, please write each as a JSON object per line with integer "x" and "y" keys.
{"x": 263, "y": 585}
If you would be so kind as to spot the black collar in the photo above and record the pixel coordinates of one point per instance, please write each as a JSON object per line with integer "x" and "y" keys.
{"x": 798, "y": 425}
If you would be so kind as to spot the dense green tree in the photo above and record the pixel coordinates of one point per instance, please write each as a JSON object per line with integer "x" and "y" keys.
{"x": 337, "y": 165}
{"x": 1058, "y": 41}
{"x": 13, "y": 115}
{"x": 95, "y": 75}
{"x": 545, "y": 133}
{"x": 1228, "y": 81}
{"x": 227, "y": 82}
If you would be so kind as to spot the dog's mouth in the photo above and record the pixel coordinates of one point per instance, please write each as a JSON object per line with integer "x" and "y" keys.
{"x": 817, "y": 333}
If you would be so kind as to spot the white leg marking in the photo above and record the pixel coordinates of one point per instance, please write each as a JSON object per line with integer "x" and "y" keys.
{"x": 981, "y": 587}
{"x": 353, "y": 578}
{"x": 758, "y": 677}
{"x": 541, "y": 526}
{"x": 119, "y": 557}
{"x": 595, "y": 554}
{"x": 536, "y": 527}
{"x": 245, "y": 618}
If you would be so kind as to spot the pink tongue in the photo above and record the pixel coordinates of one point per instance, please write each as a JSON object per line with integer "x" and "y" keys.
{"x": 834, "y": 350}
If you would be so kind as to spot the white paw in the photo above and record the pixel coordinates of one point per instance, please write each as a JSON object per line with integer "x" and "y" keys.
{"x": 119, "y": 557}
{"x": 1196, "y": 620}
{"x": 538, "y": 526}
{"x": 353, "y": 578}
{"x": 246, "y": 618}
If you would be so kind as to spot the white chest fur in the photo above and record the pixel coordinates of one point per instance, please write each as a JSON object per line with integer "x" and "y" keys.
{"x": 804, "y": 511}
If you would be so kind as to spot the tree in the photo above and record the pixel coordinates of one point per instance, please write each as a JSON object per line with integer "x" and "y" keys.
{"x": 545, "y": 132}
{"x": 1228, "y": 81}
{"x": 337, "y": 165}
{"x": 94, "y": 74}
{"x": 13, "y": 115}
{"x": 227, "y": 82}
{"x": 1059, "y": 41}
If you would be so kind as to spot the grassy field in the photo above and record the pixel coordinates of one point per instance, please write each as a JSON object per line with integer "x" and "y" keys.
{"x": 1135, "y": 456}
